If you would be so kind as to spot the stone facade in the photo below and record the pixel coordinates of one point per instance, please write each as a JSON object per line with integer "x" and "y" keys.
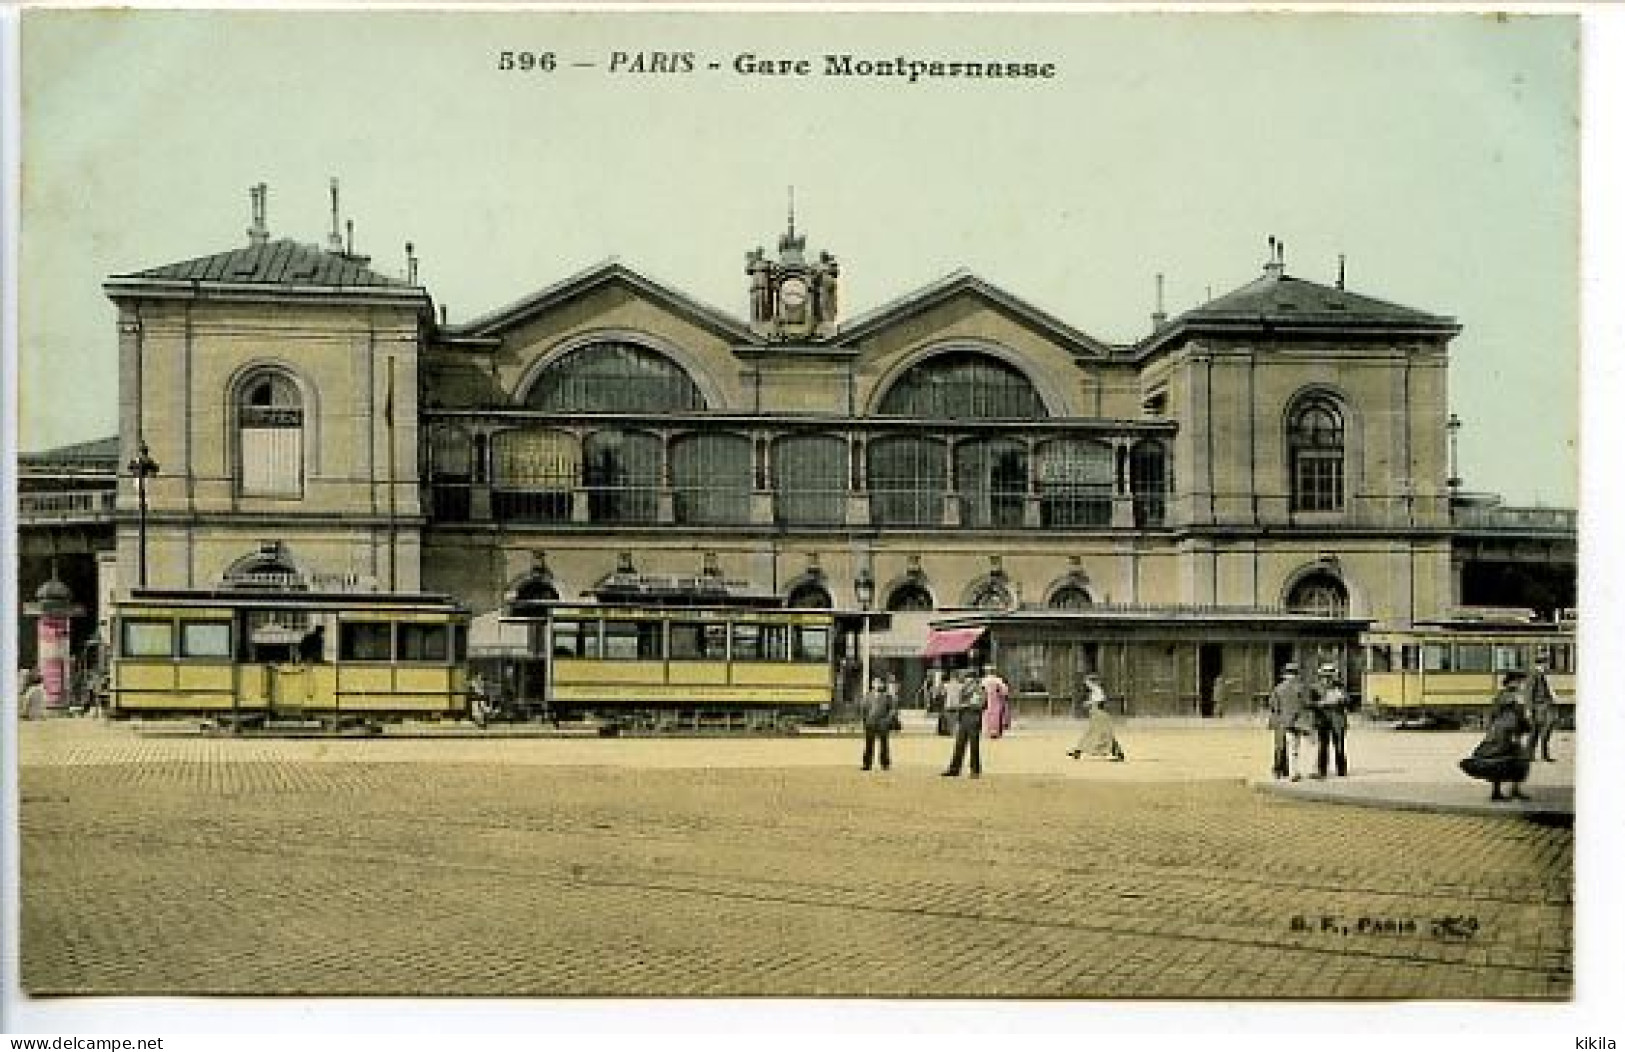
{"x": 1283, "y": 446}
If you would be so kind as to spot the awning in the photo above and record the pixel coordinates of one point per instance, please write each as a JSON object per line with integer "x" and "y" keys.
{"x": 944, "y": 641}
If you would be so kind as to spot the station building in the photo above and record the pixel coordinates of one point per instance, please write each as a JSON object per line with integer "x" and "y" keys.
{"x": 1257, "y": 478}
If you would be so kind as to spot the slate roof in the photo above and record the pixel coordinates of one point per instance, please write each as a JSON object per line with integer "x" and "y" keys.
{"x": 1278, "y": 301}
{"x": 283, "y": 262}
{"x": 1279, "y": 295}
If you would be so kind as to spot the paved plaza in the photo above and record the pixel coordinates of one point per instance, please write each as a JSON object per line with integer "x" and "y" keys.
{"x": 504, "y": 865}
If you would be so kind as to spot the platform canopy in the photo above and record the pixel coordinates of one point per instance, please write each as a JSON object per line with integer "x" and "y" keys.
{"x": 943, "y": 642}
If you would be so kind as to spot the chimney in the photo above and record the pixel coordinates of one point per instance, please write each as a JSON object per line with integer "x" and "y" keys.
{"x": 1159, "y": 317}
{"x": 1277, "y": 262}
{"x": 411, "y": 265}
{"x": 1340, "y": 262}
{"x": 335, "y": 243}
{"x": 258, "y": 234}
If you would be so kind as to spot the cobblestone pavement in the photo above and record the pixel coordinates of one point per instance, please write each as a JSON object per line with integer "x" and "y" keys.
{"x": 555, "y": 867}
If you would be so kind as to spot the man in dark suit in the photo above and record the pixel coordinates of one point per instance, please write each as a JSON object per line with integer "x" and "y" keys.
{"x": 879, "y": 710}
{"x": 968, "y": 729}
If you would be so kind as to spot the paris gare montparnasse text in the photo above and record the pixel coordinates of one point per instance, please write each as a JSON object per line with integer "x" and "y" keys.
{"x": 903, "y": 68}
{"x": 910, "y": 69}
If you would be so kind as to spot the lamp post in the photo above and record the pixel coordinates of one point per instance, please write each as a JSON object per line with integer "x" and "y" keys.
{"x": 864, "y": 589}
{"x": 143, "y": 467}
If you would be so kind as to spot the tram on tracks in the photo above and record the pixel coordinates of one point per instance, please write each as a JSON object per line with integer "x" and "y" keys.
{"x": 1448, "y": 672}
{"x": 249, "y": 659}
{"x": 660, "y": 669}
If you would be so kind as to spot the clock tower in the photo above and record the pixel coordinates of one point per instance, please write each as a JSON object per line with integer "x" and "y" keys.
{"x": 791, "y": 298}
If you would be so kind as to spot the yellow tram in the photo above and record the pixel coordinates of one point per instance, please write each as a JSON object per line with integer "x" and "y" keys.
{"x": 248, "y": 658}
{"x": 664, "y": 668}
{"x": 1449, "y": 671}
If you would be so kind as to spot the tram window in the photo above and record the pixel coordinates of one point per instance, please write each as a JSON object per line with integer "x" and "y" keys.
{"x": 698, "y": 642}
{"x": 1408, "y": 658}
{"x": 809, "y": 643}
{"x": 459, "y": 643}
{"x": 758, "y": 642}
{"x": 575, "y": 638}
{"x": 1560, "y": 658}
{"x": 1436, "y": 657}
{"x": 1473, "y": 657}
{"x": 632, "y": 640}
{"x": 1379, "y": 658}
{"x": 206, "y": 639}
{"x": 420, "y": 642}
{"x": 364, "y": 641}
{"x": 1508, "y": 658}
{"x": 149, "y": 639}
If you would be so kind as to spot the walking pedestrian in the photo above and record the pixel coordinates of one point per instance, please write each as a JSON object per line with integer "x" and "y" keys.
{"x": 953, "y": 693}
{"x": 1291, "y": 717}
{"x": 1334, "y": 722}
{"x": 1542, "y": 712}
{"x": 967, "y": 717}
{"x": 1099, "y": 738}
{"x": 879, "y": 710}
{"x": 997, "y": 693}
{"x": 32, "y": 703}
{"x": 1501, "y": 756}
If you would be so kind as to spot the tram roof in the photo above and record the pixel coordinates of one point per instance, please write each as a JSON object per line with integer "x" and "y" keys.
{"x": 1156, "y": 616}
{"x": 253, "y": 597}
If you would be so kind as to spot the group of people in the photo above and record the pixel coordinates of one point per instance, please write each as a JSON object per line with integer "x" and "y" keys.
{"x": 1519, "y": 729}
{"x": 968, "y": 704}
{"x": 1299, "y": 709}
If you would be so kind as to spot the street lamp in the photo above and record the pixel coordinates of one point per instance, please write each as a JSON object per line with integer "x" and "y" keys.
{"x": 864, "y": 589}
{"x": 142, "y": 467}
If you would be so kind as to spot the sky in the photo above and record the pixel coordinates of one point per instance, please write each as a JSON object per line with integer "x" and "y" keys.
{"x": 1437, "y": 153}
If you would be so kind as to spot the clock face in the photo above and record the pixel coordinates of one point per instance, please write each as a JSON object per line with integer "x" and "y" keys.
{"x": 793, "y": 292}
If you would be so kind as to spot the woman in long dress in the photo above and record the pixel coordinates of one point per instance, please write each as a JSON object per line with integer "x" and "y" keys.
{"x": 1501, "y": 756}
{"x": 1099, "y": 737}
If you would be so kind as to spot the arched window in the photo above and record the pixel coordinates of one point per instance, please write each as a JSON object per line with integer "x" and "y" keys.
{"x": 1071, "y": 597}
{"x": 269, "y": 567}
{"x": 959, "y": 385}
{"x": 1075, "y": 483}
{"x": 809, "y": 480}
{"x": 537, "y": 588}
{"x": 1315, "y": 448}
{"x": 991, "y": 477}
{"x": 621, "y": 471}
{"x": 992, "y": 593}
{"x": 810, "y": 595}
{"x": 910, "y": 595}
{"x": 615, "y": 377}
{"x": 907, "y": 481}
{"x": 534, "y": 472}
{"x": 1148, "y": 480}
{"x": 711, "y": 479}
{"x": 270, "y": 436}
{"x": 1319, "y": 592}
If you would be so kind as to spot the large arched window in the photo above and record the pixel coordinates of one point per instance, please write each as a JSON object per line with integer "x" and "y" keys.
{"x": 1319, "y": 592}
{"x": 959, "y": 385}
{"x": 534, "y": 472}
{"x": 621, "y": 470}
{"x": 809, "y": 480}
{"x": 991, "y": 477}
{"x": 992, "y": 593}
{"x": 615, "y": 377}
{"x": 270, "y": 436}
{"x": 1315, "y": 448}
{"x": 711, "y": 479}
{"x": 1148, "y": 479}
{"x": 907, "y": 481}
{"x": 1075, "y": 483}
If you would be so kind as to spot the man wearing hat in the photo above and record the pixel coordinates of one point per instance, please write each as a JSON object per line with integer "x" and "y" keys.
{"x": 1334, "y": 721}
{"x": 1292, "y": 715}
{"x": 1542, "y": 711}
